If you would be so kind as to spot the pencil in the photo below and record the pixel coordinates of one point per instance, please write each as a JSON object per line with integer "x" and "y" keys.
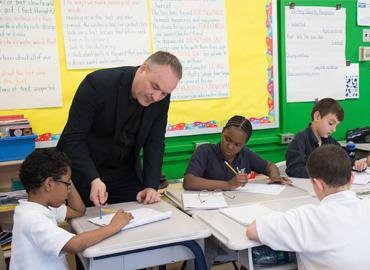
{"x": 100, "y": 212}
{"x": 230, "y": 167}
{"x": 108, "y": 210}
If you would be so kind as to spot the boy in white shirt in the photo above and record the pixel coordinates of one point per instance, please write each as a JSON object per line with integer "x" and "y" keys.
{"x": 38, "y": 242}
{"x": 331, "y": 235}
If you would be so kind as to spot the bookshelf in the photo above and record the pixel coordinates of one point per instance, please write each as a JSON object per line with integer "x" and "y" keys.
{"x": 8, "y": 171}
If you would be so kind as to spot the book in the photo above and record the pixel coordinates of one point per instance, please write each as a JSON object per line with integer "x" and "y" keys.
{"x": 141, "y": 216}
{"x": 245, "y": 215}
{"x": 203, "y": 200}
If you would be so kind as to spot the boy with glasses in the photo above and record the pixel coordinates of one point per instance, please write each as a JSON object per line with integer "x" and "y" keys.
{"x": 38, "y": 242}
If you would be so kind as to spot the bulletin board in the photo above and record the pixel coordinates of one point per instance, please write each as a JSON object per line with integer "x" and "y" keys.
{"x": 252, "y": 54}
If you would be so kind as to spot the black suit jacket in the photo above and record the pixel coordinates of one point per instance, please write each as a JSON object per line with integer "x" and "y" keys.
{"x": 96, "y": 117}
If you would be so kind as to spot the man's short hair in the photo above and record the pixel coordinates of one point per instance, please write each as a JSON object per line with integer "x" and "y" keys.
{"x": 331, "y": 164}
{"x": 326, "y": 106}
{"x": 41, "y": 164}
{"x": 166, "y": 58}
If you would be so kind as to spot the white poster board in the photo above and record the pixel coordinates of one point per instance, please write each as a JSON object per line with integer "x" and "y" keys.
{"x": 29, "y": 60}
{"x": 315, "y": 53}
{"x": 195, "y": 31}
{"x": 99, "y": 34}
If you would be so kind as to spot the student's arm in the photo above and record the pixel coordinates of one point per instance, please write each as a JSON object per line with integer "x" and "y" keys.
{"x": 197, "y": 168}
{"x": 252, "y": 232}
{"x": 192, "y": 182}
{"x": 273, "y": 172}
{"x": 75, "y": 207}
{"x": 84, "y": 240}
{"x": 296, "y": 158}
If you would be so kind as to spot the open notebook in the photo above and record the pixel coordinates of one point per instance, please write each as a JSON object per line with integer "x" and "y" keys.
{"x": 246, "y": 214}
{"x": 203, "y": 200}
{"x": 142, "y": 216}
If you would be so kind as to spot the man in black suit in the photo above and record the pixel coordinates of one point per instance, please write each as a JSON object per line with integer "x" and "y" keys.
{"x": 115, "y": 114}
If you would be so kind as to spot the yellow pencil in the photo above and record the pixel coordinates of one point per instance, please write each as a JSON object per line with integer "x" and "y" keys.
{"x": 230, "y": 167}
{"x": 108, "y": 210}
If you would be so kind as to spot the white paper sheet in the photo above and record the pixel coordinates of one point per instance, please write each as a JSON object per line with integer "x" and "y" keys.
{"x": 142, "y": 216}
{"x": 203, "y": 200}
{"x": 363, "y": 12}
{"x": 315, "y": 53}
{"x": 245, "y": 215}
{"x": 362, "y": 178}
{"x": 271, "y": 189}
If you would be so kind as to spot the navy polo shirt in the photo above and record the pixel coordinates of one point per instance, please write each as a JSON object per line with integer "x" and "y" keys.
{"x": 299, "y": 149}
{"x": 208, "y": 162}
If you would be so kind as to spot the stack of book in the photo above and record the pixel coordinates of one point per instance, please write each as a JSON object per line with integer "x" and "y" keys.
{"x": 14, "y": 126}
{"x": 8, "y": 200}
{"x": 5, "y": 240}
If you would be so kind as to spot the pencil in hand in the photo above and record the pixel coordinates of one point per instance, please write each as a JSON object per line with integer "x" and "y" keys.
{"x": 231, "y": 167}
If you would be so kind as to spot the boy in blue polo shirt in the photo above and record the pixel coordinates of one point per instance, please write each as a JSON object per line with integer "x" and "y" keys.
{"x": 325, "y": 116}
{"x": 228, "y": 164}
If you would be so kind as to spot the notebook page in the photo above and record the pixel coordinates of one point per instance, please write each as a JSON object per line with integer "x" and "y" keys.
{"x": 271, "y": 189}
{"x": 246, "y": 214}
{"x": 203, "y": 200}
{"x": 141, "y": 216}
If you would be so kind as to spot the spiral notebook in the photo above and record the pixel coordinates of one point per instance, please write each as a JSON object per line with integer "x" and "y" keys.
{"x": 141, "y": 216}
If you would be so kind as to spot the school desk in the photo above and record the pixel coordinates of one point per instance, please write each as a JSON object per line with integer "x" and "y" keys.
{"x": 305, "y": 184}
{"x": 359, "y": 146}
{"x": 231, "y": 236}
{"x": 235, "y": 198}
{"x": 153, "y": 244}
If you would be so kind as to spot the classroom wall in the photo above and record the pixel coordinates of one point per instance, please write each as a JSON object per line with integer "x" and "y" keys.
{"x": 293, "y": 116}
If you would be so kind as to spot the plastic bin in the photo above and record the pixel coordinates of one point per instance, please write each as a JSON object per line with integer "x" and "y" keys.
{"x": 16, "y": 148}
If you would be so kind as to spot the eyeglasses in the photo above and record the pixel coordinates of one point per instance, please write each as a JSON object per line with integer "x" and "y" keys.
{"x": 203, "y": 194}
{"x": 68, "y": 184}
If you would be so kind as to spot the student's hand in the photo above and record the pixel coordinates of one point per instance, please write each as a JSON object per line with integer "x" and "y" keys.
{"x": 98, "y": 193}
{"x": 279, "y": 180}
{"x": 120, "y": 219}
{"x": 360, "y": 165}
{"x": 148, "y": 195}
{"x": 238, "y": 180}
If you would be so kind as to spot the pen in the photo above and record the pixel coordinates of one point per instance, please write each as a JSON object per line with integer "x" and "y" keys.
{"x": 100, "y": 212}
{"x": 230, "y": 167}
{"x": 355, "y": 170}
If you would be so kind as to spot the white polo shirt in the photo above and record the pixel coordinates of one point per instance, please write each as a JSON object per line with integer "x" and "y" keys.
{"x": 332, "y": 235}
{"x": 37, "y": 240}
